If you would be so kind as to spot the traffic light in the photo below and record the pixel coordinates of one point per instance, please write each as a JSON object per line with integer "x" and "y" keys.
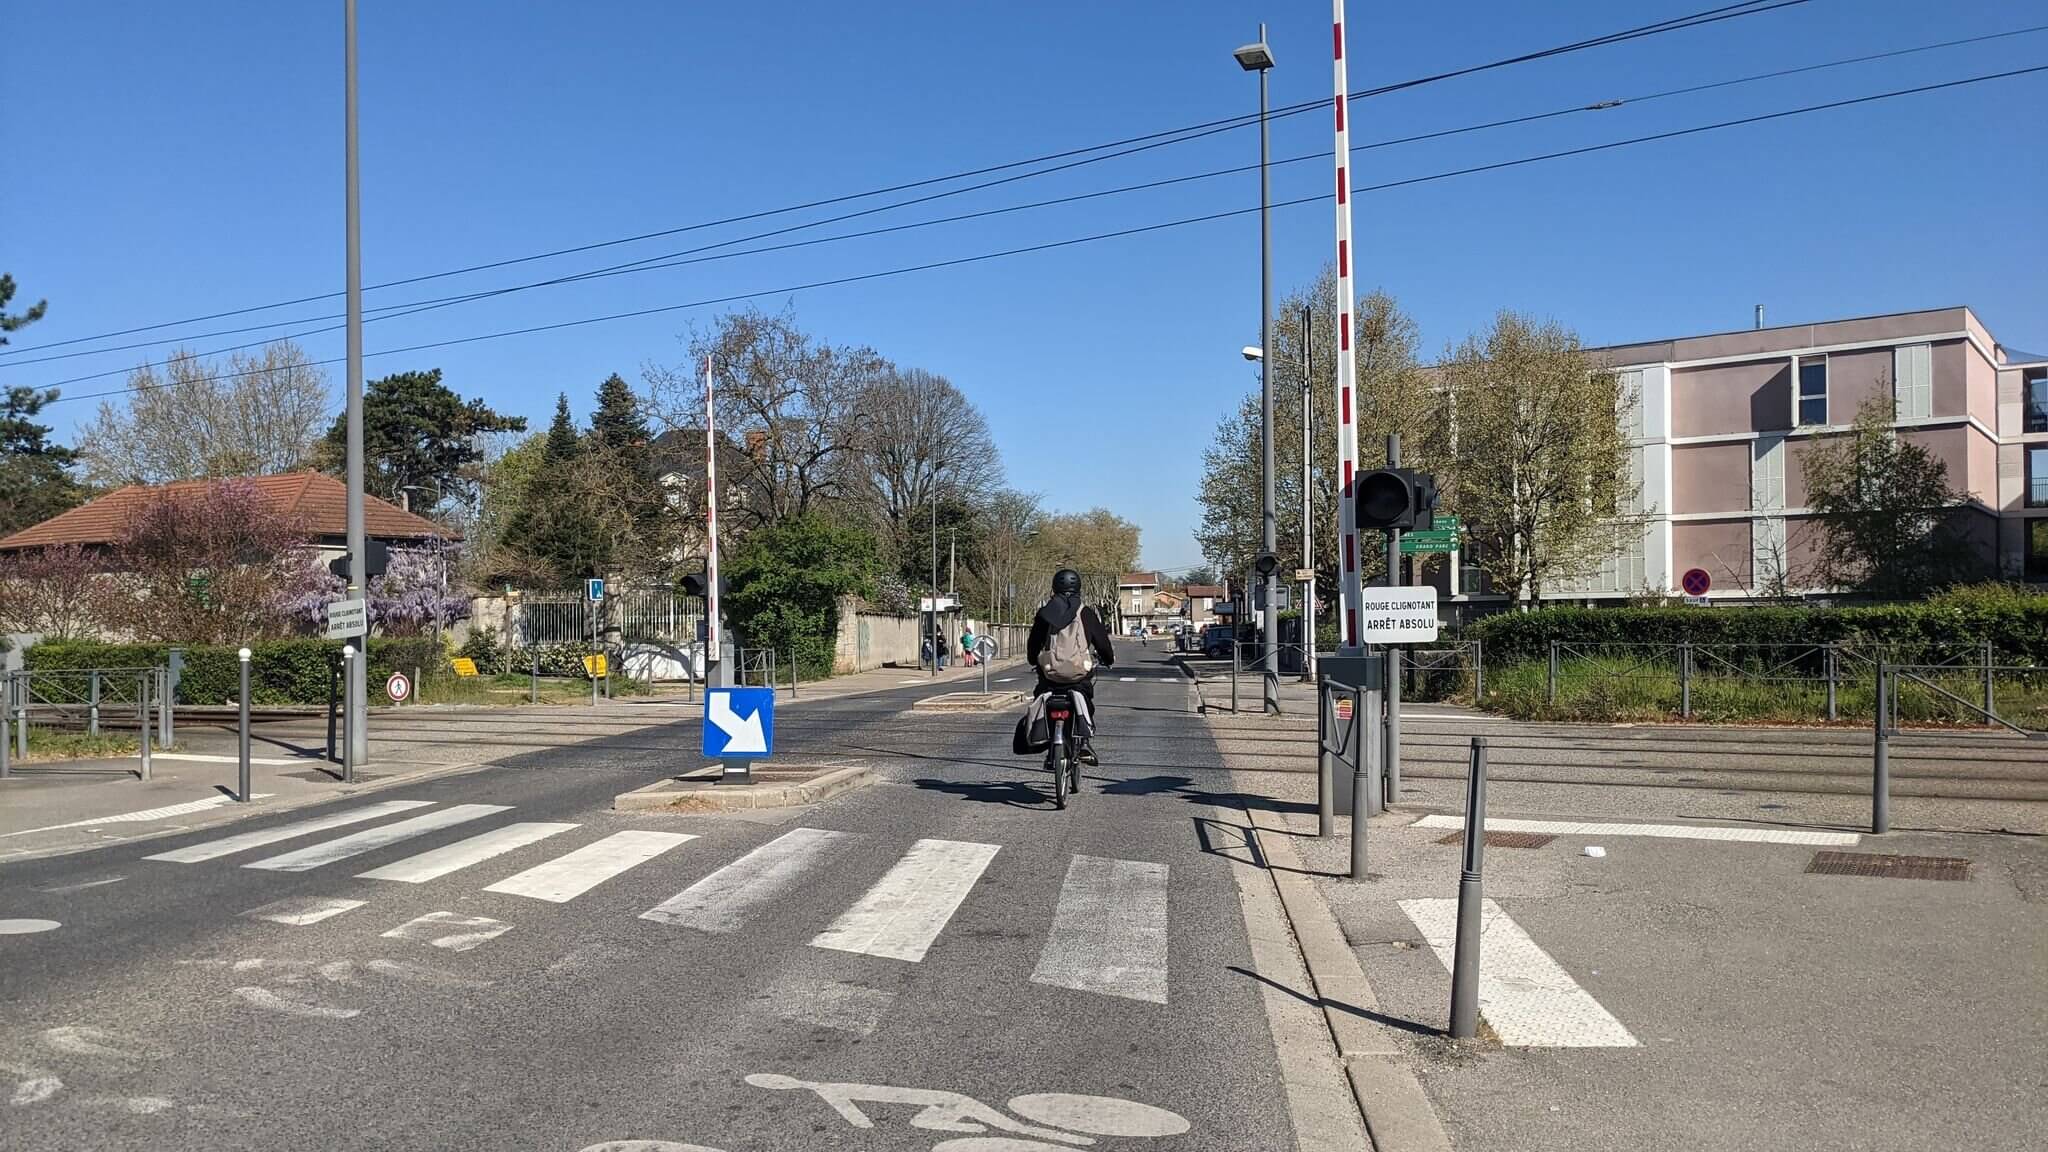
{"x": 1266, "y": 564}
{"x": 376, "y": 557}
{"x": 1395, "y": 498}
{"x": 695, "y": 584}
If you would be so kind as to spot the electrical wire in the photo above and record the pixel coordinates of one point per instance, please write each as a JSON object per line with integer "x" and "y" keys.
{"x": 1163, "y": 138}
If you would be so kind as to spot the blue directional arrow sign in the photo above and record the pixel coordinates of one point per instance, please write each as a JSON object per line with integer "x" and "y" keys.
{"x": 739, "y": 722}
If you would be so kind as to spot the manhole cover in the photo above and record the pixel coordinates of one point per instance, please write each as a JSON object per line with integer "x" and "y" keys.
{"x": 1503, "y": 839}
{"x": 1887, "y": 866}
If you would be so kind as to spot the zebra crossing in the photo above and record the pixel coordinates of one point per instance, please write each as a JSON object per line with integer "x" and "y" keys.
{"x": 1108, "y": 934}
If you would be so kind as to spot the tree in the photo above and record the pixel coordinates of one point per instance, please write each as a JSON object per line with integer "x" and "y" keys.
{"x": 794, "y": 402}
{"x": 786, "y": 578}
{"x": 924, "y": 437}
{"x": 1530, "y": 453}
{"x": 421, "y": 441}
{"x": 216, "y": 565}
{"x": 15, "y": 322}
{"x": 1098, "y": 544}
{"x": 1011, "y": 521}
{"x": 620, "y": 487}
{"x": 1393, "y": 398}
{"x": 506, "y": 482}
{"x": 549, "y": 534}
{"x": 56, "y": 592}
{"x": 1882, "y": 508}
{"x": 1201, "y": 575}
{"x": 35, "y": 474}
{"x": 247, "y": 416}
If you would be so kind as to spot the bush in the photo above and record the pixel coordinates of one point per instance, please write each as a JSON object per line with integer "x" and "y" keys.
{"x": 280, "y": 671}
{"x": 2014, "y": 620}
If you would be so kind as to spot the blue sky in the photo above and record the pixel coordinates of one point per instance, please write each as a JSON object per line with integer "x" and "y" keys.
{"x": 171, "y": 160}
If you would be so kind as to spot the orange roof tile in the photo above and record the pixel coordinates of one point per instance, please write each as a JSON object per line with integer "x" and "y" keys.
{"x": 318, "y": 499}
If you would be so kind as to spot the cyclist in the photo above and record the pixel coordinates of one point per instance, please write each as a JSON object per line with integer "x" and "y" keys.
{"x": 1068, "y": 642}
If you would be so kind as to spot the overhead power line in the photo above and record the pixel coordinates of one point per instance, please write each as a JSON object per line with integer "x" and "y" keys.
{"x": 1148, "y": 140}
{"x": 1324, "y": 197}
{"x": 691, "y": 256}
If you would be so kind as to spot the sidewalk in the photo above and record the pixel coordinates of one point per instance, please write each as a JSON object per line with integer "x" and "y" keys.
{"x": 67, "y": 806}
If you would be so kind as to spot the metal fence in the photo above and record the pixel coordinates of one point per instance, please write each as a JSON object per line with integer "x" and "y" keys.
{"x": 83, "y": 699}
{"x": 638, "y": 614}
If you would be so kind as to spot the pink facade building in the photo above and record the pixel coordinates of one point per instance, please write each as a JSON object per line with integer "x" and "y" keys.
{"x": 1723, "y": 421}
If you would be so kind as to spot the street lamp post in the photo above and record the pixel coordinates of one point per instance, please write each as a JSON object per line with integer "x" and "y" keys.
{"x": 356, "y": 738}
{"x": 933, "y": 636}
{"x": 1258, "y": 57}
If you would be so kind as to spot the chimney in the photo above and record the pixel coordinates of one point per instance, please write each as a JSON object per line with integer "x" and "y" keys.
{"x": 1759, "y": 315}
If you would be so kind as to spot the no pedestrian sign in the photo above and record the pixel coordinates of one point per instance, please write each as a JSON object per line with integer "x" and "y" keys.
{"x": 739, "y": 723}
{"x": 1397, "y": 615}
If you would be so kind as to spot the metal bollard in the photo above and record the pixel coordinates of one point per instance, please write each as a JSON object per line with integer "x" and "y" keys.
{"x": 1479, "y": 673}
{"x": 1465, "y": 965}
{"x": 242, "y": 728}
{"x": 533, "y": 681}
{"x": 142, "y": 691}
{"x": 333, "y": 681}
{"x": 6, "y": 750}
{"x": 1685, "y": 679}
{"x": 23, "y": 685}
{"x": 1364, "y": 751}
{"x": 1550, "y": 675}
{"x": 348, "y": 720}
{"x": 1233, "y": 675}
{"x": 415, "y": 683}
{"x": 1832, "y": 661}
{"x": 1880, "y": 763}
{"x": 1390, "y": 775}
{"x": 92, "y": 706}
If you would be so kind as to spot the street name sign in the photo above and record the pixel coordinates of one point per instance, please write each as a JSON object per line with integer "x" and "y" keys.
{"x": 1397, "y": 615}
{"x": 739, "y": 723}
{"x": 347, "y": 618}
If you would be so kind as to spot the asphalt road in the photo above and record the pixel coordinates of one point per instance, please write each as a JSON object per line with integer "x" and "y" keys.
{"x": 938, "y": 960}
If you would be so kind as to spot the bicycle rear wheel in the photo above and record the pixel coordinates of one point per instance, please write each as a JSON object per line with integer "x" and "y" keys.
{"x": 1058, "y": 758}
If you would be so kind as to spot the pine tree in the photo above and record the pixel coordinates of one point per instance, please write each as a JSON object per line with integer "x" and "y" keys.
{"x": 563, "y": 439}
{"x": 35, "y": 475}
{"x": 19, "y": 320}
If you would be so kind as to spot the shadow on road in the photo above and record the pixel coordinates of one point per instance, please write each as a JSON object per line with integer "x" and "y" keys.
{"x": 1013, "y": 793}
{"x": 1410, "y": 1026}
{"x": 1184, "y": 787}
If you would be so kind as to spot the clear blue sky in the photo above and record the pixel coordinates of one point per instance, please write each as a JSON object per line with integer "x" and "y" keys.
{"x": 165, "y": 160}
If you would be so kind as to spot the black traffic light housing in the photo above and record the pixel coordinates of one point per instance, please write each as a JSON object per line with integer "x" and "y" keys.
{"x": 376, "y": 557}
{"x": 1266, "y": 564}
{"x": 697, "y": 584}
{"x": 1395, "y": 498}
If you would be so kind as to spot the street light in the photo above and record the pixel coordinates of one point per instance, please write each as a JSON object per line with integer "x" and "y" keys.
{"x": 1258, "y": 57}
{"x": 1251, "y": 353}
{"x": 937, "y": 467}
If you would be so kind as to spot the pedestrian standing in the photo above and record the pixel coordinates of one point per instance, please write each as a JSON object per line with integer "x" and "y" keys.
{"x": 967, "y": 645}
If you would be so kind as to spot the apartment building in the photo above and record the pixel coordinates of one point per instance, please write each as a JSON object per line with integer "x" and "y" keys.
{"x": 1722, "y": 423}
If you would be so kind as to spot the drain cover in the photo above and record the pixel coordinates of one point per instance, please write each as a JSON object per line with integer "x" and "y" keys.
{"x": 1890, "y": 867}
{"x": 1503, "y": 839}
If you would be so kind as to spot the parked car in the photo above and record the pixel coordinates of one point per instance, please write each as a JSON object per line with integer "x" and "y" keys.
{"x": 1216, "y": 641}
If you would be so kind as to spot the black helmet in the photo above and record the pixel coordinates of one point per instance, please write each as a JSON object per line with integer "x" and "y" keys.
{"x": 1066, "y": 582}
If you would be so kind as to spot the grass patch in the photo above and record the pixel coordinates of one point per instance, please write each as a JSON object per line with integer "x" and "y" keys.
{"x": 45, "y": 746}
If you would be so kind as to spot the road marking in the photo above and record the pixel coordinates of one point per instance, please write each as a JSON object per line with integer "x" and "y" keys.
{"x": 27, "y": 927}
{"x": 316, "y": 855}
{"x": 164, "y": 813}
{"x": 34, "y": 1089}
{"x": 209, "y": 758}
{"x": 1664, "y": 831}
{"x": 213, "y": 849}
{"x": 1109, "y": 930}
{"x": 433, "y": 928}
{"x": 1007, "y": 680}
{"x": 1528, "y": 998}
{"x": 913, "y": 681}
{"x": 907, "y": 908}
{"x": 1127, "y": 679}
{"x": 265, "y": 998}
{"x": 303, "y": 910}
{"x": 463, "y": 853}
{"x": 722, "y": 901}
{"x": 567, "y": 877}
{"x": 84, "y": 884}
{"x": 86, "y": 1040}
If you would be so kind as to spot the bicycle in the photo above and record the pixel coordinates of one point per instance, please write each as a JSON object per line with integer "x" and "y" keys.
{"x": 1062, "y": 756}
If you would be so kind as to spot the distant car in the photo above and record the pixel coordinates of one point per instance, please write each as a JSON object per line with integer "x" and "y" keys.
{"x": 1216, "y": 641}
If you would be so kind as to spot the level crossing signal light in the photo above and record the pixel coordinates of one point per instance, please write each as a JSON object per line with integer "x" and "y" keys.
{"x": 1396, "y": 498}
{"x": 696, "y": 584}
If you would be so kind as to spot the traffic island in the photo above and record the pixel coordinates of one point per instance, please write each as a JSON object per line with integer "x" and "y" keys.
{"x": 774, "y": 787}
{"x": 970, "y": 702}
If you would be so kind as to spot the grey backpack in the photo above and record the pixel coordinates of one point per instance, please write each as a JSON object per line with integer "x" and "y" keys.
{"x": 1067, "y": 658}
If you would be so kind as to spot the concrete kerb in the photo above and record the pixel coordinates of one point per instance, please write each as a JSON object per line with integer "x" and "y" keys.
{"x": 697, "y": 792}
{"x": 1397, "y": 1111}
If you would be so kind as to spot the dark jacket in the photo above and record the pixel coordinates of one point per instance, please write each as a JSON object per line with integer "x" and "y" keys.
{"x": 1057, "y": 614}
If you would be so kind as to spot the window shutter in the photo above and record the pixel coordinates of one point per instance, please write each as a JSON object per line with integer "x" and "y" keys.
{"x": 1913, "y": 381}
{"x": 1767, "y": 474}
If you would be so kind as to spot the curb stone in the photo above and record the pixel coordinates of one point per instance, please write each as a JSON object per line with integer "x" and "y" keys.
{"x": 693, "y": 795}
{"x": 1397, "y": 1111}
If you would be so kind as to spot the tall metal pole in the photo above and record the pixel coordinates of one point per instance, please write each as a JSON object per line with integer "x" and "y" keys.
{"x": 934, "y": 637}
{"x": 1268, "y": 649}
{"x": 1393, "y": 651}
{"x": 357, "y": 735}
{"x": 1308, "y": 552}
{"x": 1347, "y": 362}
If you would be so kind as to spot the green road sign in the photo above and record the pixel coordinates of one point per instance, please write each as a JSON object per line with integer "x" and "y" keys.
{"x": 1445, "y": 524}
{"x": 1431, "y": 541}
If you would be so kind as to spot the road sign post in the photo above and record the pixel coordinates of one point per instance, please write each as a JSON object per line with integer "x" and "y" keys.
{"x": 242, "y": 729}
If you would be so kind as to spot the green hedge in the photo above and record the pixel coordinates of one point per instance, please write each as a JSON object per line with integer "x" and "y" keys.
{"x": 280, "y": 671}
{"x": 2014, "y": 620}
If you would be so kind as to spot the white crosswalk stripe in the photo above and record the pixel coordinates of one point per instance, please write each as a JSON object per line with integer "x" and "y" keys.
{"x": 318, "y": 855}
{"x": 1109, "y": 930}
{"x": 1527, "y": 997}
{"x": 722, "y": 901}
{"x": 907, "y": 909}
{"x": 226, "y": 846}
{"x": 450, "y": 931}
{"x": 567, "y": 877}
{"x": 464, "y": 853}
{"x": 300, "y": 911}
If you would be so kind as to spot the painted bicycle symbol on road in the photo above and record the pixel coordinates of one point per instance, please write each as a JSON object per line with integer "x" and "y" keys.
{"x": 1036, "y": 1122}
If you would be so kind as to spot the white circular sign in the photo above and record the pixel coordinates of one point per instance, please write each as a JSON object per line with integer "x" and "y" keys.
{"x": 398, "y": 687}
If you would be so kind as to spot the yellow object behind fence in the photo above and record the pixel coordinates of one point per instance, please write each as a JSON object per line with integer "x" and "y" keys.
{"x": 594, "y": 665}
{"x": 464, "y": 666}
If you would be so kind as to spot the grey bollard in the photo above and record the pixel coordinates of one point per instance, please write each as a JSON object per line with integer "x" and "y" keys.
{"x": 1685, "y": 679}
{"x": 1326, "y": 773}
{"x": 1365, "y": 752}
{"x": 1550, "y": 676}
{"x": 6, "y": 750}
{"x": 142, "y": 691}
{"x": 92, "y": 706}
{"x": 1832, "y": 662}
{"x": 1465, "y": 965}
{"x": 242, "y": 728}
{"x": 1880, "y": 763}
{"x": 1390, "y": 775}
{"x": 1989, "y": 701}
{"x": 533, "y": 681}
{"x": 348, "y": 719}
{"x": 1479, "y": 674}
{"x": 24, "y": 685}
